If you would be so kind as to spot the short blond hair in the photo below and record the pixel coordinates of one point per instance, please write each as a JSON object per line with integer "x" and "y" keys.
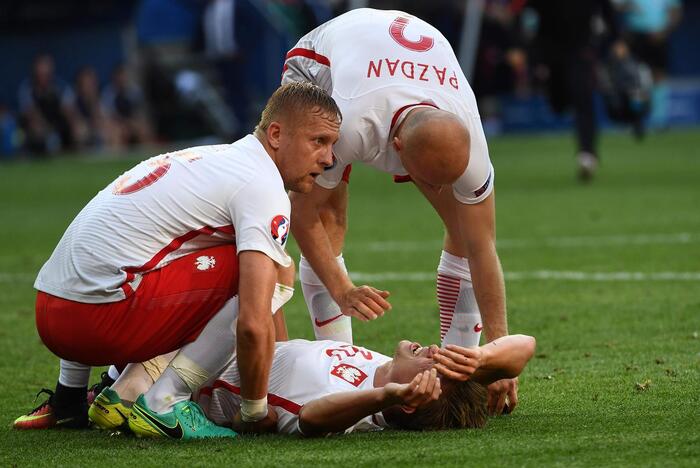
{"x": 293, "y": 99}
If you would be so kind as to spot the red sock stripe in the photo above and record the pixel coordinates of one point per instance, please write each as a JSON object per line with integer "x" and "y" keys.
{"x": 447, "y": 294}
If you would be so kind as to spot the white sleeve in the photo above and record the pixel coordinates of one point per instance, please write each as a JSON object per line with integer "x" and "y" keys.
{"x": 260, "y": 213}
{"x": 476, "y": 183}
{"x": 306, "y": 62}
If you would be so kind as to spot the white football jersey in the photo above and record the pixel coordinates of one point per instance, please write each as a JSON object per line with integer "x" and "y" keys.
{"x": 302, "y": 371}
{"x": 378, "y": 65}
{"x": 164, "y": 208}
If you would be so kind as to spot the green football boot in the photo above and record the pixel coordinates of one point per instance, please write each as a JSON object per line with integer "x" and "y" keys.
{"x": 108, "y": 411}
{"x": 186, "y": 421}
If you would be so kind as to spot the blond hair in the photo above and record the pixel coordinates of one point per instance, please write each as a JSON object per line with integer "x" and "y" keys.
{"x": 293, "y": 99}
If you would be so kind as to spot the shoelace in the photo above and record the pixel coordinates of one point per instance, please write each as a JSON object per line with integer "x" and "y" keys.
{"x": 99, "y": 386}
{"x": 46, "y": 402}
{"x": 196, "y": 418}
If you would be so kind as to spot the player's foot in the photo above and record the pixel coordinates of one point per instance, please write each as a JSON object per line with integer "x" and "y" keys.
{"x": 105, "y": 381}
{"x": 185, "y": 421}
{"x": 47, "y": 415}
{"x": 587, "y": 166}
{"x": 108, "y": 411}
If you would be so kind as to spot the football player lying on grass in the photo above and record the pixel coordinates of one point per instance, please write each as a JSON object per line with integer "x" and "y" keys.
{"x": 324, "y": 387}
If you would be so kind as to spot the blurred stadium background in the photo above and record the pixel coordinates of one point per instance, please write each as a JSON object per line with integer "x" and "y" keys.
{"x": 202, "y": 69}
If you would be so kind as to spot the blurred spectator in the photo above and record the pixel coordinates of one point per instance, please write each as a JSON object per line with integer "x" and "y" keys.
{"x": 500, "y": 69}
{"x": 91, "y": 125}
{"x": 564, "y": 59}
{"x": 46, "y": 109}
{"x": 648, "y": 24}
{"x": 124, "y": 106}
{"x": 298, "y": 15}
{"x": 221, "y": 47}
{"x": 9, "y": 133}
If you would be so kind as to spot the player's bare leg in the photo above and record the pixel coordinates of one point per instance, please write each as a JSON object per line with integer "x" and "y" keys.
{"x": 328, "y": 322}
{"x": 112, "y": 407}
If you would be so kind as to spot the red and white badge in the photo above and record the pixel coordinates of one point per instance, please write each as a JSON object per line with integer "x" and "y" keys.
{"x": 350, "y": 374}
{"x": 279, "y": 229}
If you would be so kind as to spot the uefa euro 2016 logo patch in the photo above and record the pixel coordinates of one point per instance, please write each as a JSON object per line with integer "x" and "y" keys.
{"x": 279, "y": 228}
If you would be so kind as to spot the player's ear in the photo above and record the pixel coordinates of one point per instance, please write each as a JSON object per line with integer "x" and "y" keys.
{"x": 273, "y": 135}
{"x": 397, "y": 143}
{"x": 408, "y": 409}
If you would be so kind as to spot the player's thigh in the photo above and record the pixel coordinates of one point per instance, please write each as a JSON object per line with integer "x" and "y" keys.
{"x": 446, "y": 206}
{"x": 169, "y": 309}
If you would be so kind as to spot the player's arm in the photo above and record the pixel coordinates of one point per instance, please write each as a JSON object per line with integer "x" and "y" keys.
{"x": 364, "y": 302}
{"x": 503, "y": 358}
{"x": 255, "y": 336}
{"x": 477, "y": 225}
{"x": 337, "y": 412}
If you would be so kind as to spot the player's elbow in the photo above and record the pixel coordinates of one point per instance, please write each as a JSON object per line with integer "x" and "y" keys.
{"x": 526, "y": 350}
{"x": 310, "y": 425}
{"x": 253, "y": 331}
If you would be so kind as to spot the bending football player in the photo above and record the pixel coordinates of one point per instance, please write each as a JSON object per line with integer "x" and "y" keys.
{"x": 409, "y": 111}
{"x": 323, "y": 387}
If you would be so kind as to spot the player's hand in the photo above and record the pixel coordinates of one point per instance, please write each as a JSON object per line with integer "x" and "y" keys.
{"x": 364, "y": 303}
{"x": 424, "y": 388}
{"x": 502, "y": 396}
{"x": 265, "y": 425}
{"x": 458, "y": 363}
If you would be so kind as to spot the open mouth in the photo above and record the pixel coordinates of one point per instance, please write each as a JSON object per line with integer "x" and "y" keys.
{"x": 416, "y": 348}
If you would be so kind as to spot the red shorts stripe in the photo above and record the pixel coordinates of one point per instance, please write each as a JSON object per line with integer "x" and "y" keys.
{"x": 169, "y": 309}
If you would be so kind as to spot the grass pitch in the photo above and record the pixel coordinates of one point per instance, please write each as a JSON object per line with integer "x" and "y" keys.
{"x": 606, "y": 276}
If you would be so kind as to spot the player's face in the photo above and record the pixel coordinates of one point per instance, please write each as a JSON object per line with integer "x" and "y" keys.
{"x": 410, "y": 358}
{"x": 306, "y": 149}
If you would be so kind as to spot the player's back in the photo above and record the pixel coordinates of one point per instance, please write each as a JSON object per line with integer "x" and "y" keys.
{"x": 370, "y": 49}
{"x": 161, "y": 209}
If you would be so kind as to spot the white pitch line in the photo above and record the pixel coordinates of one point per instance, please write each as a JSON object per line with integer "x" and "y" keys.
{"x": 420, "y": 276}
{"x": 555, "y": 242}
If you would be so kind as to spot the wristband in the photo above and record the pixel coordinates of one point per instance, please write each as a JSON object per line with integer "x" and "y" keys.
{"x": 253, "y": 410}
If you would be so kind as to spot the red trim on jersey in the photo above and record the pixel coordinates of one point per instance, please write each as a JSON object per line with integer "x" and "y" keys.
{"x": 176, "y": 244}
{"x": 400, "y": 179}
{"x": 398, "y": 113}
{"x": 308, "y": 53}
{"x": 126, "y": 287}
{"x": 274, "y": 400}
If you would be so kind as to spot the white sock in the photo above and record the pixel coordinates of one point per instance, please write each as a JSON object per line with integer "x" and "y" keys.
{"x": 326, "y": 319}
{"x": 197, "y": 361}
{"x": 113, "y": 373}
{"x": 73, "y": 374}
{"x": 460, "y": 319}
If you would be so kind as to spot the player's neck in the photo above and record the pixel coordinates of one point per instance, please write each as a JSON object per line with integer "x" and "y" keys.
{"x": 268, "y": 149}
{"x": 381, "y": 375}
